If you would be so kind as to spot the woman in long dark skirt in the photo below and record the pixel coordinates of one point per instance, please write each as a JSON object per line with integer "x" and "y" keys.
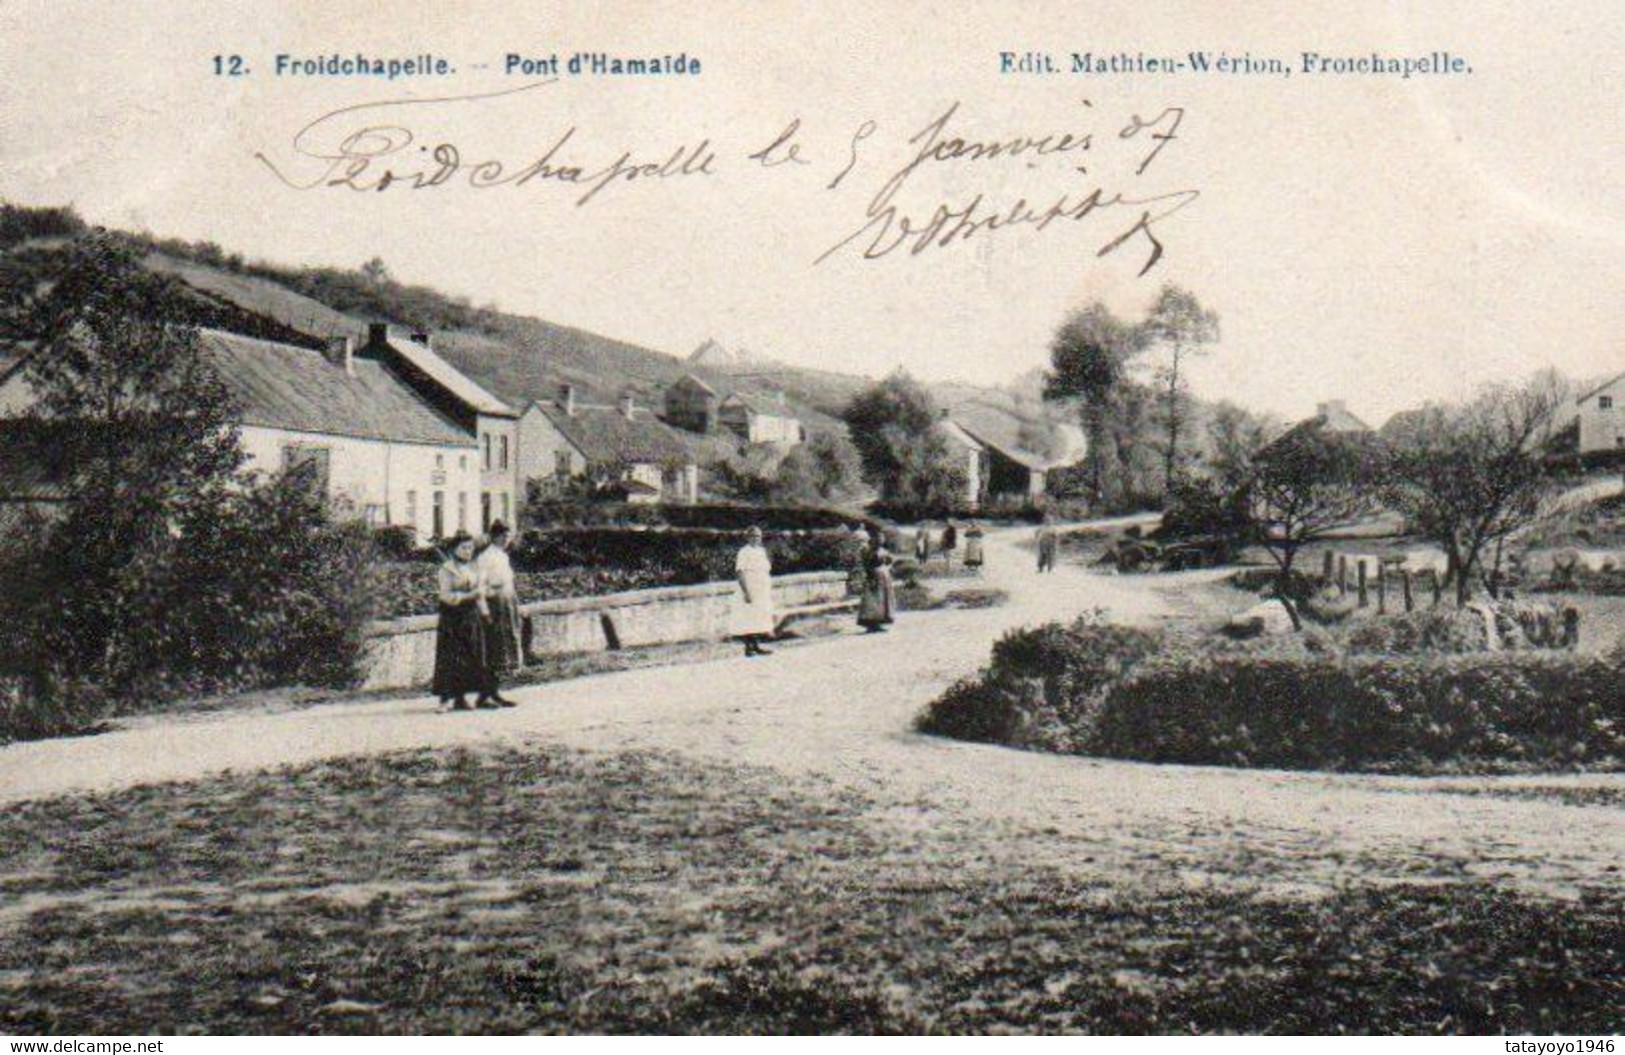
{"x": 459, "y": 643}
{"x": 877, "y": 607}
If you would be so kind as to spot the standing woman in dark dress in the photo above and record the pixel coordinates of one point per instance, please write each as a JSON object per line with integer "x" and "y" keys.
{"x": 459, "y": 643}
{"x": 878, "y": 605}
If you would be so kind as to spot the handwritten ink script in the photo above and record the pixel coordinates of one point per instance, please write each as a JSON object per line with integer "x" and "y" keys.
{"x": 1102, "y": 174}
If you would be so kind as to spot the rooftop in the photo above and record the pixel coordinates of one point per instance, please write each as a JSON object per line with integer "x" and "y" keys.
{"x": 605, "y": 434}
{"x": 284, "y": 386}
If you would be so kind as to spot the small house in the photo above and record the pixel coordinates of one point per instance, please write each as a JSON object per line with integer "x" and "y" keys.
{"x": 623, "y": 446}
{"x": 757, "y": 420}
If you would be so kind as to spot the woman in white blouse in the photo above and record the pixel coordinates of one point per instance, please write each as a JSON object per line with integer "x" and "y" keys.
{"x": 753, "y": 607}
{"x": 504, "y": 647}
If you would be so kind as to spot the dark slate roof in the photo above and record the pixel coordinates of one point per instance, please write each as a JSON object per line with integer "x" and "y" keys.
{"x": 283, "y": 386}
{"x": 604, "y": 434}
{"x": 462, "y": 387}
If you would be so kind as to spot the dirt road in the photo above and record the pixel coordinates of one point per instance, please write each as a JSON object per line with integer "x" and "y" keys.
{"x": 838, "y": 713}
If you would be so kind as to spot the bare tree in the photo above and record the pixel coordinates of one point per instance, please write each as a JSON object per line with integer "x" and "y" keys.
{"x": 1467, "y": 478}
{"x": 1306, "y": 485}
{"x": 1183, "y": 327}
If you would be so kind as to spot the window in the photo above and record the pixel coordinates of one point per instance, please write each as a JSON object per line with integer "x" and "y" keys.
{"x": 502, "y": 452}
{"x": 412, "y": 508}
{"x": 375, "y": 515}
{"x": 462, "y": 461}
{"x": 462, "y": 510}
{"x": 1605, "y": 402}
{"x": 485, "y": 442}
{"x": 507, "y": 513}
{"x": 561, "y": 463}
{"x": 439, "y": 461}
{"x": 485, "y": 510}
{"x": 440, "y": 514}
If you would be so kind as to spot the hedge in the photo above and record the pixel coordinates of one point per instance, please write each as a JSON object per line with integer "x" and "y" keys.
{"x": 719, "y": 516}
{"x": 1296, "y": 703}
{"x": 584, "y": 562}
{"x": 1491, "y": 710}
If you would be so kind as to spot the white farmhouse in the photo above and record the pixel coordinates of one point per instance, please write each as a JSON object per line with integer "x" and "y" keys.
{"x": 1602, "y": 417}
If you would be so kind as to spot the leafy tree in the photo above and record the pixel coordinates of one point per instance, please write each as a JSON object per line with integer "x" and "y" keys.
{"x": 1306, "y": 485}
{"x": 893, "y": 425}
{"x": 1182, "y": 327}
{"x": 1467, "y": 478}
{"x": 1089, "y": 360}
{"x": 133, "y": 407}
{"x": 1235, "y": 435}
{"x": 824, "y": 469}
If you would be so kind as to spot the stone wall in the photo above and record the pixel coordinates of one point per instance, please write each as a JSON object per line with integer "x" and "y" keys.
{"x": 400, "y": 652}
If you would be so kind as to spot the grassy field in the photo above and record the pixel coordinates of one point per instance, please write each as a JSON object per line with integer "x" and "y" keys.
{"x": 546, "y": 890}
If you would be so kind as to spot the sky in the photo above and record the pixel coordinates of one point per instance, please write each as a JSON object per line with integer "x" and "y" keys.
{"x": 1365, "y": 238}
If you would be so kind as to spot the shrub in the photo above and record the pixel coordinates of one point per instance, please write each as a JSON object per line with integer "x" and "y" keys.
{"x": 1364, "y": 712}
{"x": 397, "y": 542}
{"x": 1295, "y": 702}
{"x": 261, "y": 587}
{"x": 268, "y": 589}
{"x": 547, "y": 515}
{"x": 676, "y": 556}
{"x": 1431, "y": 630}
{"x": 47, "y": 704}
{"x": 1043, "y": 685}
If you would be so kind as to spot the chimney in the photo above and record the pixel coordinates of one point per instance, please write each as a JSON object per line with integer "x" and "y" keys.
{"x": 377, "y": 334}
{"x": 567, "y": 399}
{"x": 421, "y": 336}
{"x": 1331, "y": 407}
{"x": 629, "y": 406}
{"x": 340, "y": 351}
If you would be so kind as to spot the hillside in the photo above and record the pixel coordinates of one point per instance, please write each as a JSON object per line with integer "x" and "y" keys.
{"x": 519, "y": 358}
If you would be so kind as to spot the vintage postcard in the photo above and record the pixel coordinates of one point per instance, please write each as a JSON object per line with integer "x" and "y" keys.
{"x": 867, "y": 517}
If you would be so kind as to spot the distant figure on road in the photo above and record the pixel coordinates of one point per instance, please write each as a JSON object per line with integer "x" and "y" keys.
{"x": 1049, "y": 542}
{"x": 504, "y": 647}
{"x": 753, "y": 608}
{"x": 459, "y": 643}
{"x": 950, "y": 542}
{"x": 922, "y": 544}
{"x": 973, "y": 546}
{"x": 877, "y": 607}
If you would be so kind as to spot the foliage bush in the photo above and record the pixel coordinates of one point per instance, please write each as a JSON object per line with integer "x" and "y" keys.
{"x": 1302, "y": 702}
{"x": 590, "y": 561}
{"x": 1042, "y": 688}
{"x": 1498, "y": 710}
{"x": 261, "y": 587}
{"x": 719, "y": 516}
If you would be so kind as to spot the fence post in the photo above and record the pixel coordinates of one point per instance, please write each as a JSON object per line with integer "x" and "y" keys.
{"x": 1342, "y": 575}
{"x": 1382, "y": 590}
{"x": 1405, "y": 588}
{"x": 1438, "y": 587}
{"x": 1359, "y": 575}
{"x": 1326, "y": 566}
{"x": 1571, "y": 627}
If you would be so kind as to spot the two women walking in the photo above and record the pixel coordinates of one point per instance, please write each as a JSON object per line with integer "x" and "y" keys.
{"x": 477, "y": 639}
